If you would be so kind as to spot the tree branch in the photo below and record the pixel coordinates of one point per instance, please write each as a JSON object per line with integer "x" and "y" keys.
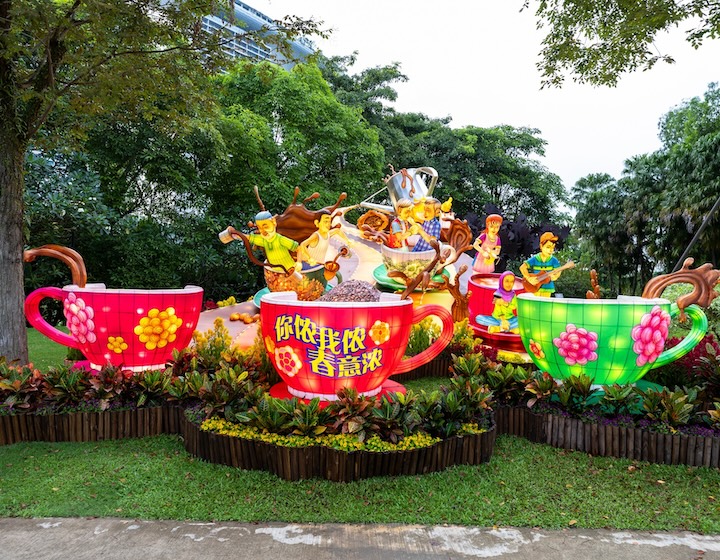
{"x": 8, "y": 107}
{"x": 44, "y": 79}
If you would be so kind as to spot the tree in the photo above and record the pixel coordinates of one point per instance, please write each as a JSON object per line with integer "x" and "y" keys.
{"x": 322, "y": 145}
{"x": 600, "y": 228}
{"x": 690, "y": 160}
{"x": 494, "y": 165}
{"x": 87, "y": 57}
{"x": 371, "y": 89}
{"x": 596, "y": 42}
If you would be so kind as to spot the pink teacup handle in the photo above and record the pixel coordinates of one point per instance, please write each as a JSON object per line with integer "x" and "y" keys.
{"x": 32, "y": 313}
{"x": 433, "y": 351}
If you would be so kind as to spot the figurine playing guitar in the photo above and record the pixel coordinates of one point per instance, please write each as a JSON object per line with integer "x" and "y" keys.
{"x": 540, "y": 271}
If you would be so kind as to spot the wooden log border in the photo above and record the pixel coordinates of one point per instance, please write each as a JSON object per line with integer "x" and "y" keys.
{"x": 320, "y": 462}
{"x": 286, "y": 462}
{"x": 440, "y": 367}
{"x": 608, "y": 441}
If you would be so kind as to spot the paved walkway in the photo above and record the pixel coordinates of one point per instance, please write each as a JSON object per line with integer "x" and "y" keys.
{"x": 122, "y": 539}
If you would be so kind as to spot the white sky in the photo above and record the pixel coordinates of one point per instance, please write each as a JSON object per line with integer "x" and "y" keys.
{"x": 475, "y": 61}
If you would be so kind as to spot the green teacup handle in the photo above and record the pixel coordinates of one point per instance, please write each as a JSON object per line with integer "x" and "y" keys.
{"x": 696, "y": 334}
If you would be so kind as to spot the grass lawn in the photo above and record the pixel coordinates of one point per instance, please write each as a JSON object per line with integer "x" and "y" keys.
{"x": 43, "y": 351}
{"x": 524, "y": 484}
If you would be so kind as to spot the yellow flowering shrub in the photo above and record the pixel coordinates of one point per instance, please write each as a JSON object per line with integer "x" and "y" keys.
{"x": 340, "y": 442}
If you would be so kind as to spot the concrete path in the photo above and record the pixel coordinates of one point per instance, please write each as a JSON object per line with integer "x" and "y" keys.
{"x": 122, "y": 539}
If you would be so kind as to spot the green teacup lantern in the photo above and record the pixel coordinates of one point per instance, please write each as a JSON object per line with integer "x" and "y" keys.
{"x": 612, "y": 341}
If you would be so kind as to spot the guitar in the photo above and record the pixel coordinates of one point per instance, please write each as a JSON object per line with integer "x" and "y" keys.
{"x": 544, "y": 277}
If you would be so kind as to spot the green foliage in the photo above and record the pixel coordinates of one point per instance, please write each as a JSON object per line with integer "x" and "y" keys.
{"x": 619, "y": 399}
{"x": 66, "y": 385}
{"x": 108, "y": 385}
{"x": 395, "y": 416}
{"x": 597, "y": 43}
{"x": 272, "y": 415}
{"x": 322, "y": 144}
{"x": 352, "y": 413}
{"x": 575, "y": 393}
{"x": 309, "y": 419}
{"x": 612, "y": 224}
{"x": 468, "y": 365}
{"x": 542, "y": 386}
{"x": 507, "y": 382}
{"x": 629, "y": 228}
{"x": 708, "y": 369}
{"x": 153, "y": 386}
{"x": 673, "y": 408}
{"x": 422, "y": 335}
{"x": 714, "y": 415}
{"x": 20, "y": 387}
{"x": 218, "y": 390}
{"x": 444, "y": 412}
{"x": 475, "y": 391}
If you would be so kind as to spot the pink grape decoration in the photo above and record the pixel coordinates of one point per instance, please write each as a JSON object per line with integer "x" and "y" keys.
{"x": 577, "y": 345}
{"x": 650, "y": 335}
{"x": 79, "y": 318}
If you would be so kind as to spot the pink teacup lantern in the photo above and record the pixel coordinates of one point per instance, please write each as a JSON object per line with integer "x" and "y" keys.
{"x": 482, "y": 287}
{"x": 134, "y": 329}
{"x": 319, "y": 347}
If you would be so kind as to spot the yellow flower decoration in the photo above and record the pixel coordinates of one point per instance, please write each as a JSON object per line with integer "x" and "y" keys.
{"x": 158, "y": 328}
{"x": 380, "y": 332}
{"x": 287, "y": 360}
{"x": 117, "y": 344}
{"x": 270, "y": 344}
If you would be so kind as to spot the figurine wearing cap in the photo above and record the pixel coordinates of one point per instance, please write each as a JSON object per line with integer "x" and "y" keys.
{"x": 277, "y": 247}
{"x": 539, "y": 270}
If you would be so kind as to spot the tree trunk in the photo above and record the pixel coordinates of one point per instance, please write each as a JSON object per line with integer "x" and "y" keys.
{"x": 13, "y": 336}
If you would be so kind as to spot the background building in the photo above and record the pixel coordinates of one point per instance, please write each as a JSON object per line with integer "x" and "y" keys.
{"x": 246, "y": 19}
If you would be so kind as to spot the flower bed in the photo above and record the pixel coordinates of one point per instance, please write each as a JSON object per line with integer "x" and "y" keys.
{"x": 351, "y": 438}
{"x": 319, "y": 461}
{"x": 425, "y": 432}
{"x": 289, "y": 463}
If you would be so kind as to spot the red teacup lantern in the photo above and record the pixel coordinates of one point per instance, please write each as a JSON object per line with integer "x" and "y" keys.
{"x": 319, "y": 347}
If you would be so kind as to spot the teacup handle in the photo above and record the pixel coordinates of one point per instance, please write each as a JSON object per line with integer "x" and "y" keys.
{"x": 32, "y": 314}
{"x": 432, "y": 351}
{"x": 696, "y": 334}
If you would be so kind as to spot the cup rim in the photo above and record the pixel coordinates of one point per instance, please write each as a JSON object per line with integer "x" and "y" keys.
{"x": 290, "y": 298}
{"x": 621, "y": 299}
{"x": 100, "y": 287}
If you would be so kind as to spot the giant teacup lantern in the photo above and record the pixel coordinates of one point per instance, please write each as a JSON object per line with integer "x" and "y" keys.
{"x": 320, "y": 347}
{"x": 133, "y": 329}
{"x": 618, "y": 340}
